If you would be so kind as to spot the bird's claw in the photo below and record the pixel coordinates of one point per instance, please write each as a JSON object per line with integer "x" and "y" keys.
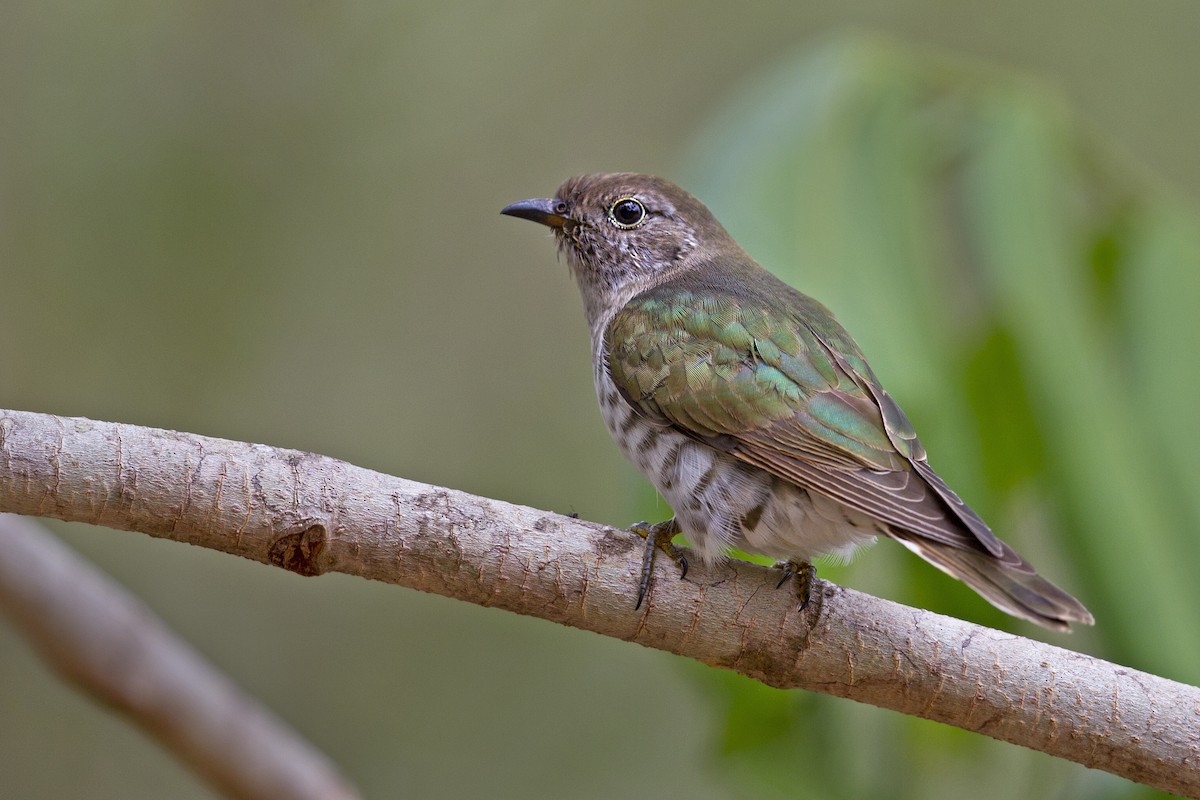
{"x": 658, "y": 537}
{"x": 803, "y": 574}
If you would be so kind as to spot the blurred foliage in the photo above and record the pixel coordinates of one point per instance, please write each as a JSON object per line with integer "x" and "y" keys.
{"x": 1031, "y": 301}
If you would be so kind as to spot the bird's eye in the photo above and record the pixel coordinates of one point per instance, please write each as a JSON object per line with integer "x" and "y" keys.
{"x": 627, "y": 213}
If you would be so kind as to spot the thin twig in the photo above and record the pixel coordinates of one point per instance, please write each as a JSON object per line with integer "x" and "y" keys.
{"x": 312, "y": 514}
{"x": 104, "y": 640}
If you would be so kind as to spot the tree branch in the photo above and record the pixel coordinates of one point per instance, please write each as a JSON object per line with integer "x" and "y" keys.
{"x": 104, "y": 640}
{"x": 312, "y": 514}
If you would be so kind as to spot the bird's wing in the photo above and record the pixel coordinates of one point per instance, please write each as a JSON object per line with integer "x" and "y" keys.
{"x": 771, "y": 378}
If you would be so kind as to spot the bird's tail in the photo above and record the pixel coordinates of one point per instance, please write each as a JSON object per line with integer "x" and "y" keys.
{"x": 1006, "y": 581}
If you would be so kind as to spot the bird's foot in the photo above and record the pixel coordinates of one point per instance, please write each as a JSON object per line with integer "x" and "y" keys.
{"x": 658, "y": 537}
{"x": 802, "y": 575}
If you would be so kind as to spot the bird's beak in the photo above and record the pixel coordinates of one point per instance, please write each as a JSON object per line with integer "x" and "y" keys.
{"x": 547, "y": 211}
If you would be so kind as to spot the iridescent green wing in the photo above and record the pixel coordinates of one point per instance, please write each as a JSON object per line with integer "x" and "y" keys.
{"x": 765, "y": 373}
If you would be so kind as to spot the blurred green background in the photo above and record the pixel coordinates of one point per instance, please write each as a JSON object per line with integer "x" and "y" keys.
{"x": 278, "y": 222}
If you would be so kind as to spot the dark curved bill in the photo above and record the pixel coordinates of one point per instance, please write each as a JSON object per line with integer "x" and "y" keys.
{"x": 542, "y": 210}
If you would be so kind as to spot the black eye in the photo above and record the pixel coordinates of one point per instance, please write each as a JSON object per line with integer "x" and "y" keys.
{"x": 627, "y": 213}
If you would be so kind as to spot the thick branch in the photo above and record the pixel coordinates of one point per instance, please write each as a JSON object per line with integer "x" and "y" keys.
{"x": 103, "y": 639}
{"x": 313, "y": 514}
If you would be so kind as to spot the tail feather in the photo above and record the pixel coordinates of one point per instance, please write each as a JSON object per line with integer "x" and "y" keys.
{"x": 1005, "y": 580}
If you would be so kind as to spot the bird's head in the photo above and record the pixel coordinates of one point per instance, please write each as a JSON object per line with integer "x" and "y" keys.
{"x": 623, "y": 232}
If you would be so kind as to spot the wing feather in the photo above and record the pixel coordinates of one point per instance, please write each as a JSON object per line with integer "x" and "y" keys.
{"x": 771, "y": 378}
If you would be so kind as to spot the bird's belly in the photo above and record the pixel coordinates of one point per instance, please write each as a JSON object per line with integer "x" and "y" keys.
{"x": 722, "y": 502}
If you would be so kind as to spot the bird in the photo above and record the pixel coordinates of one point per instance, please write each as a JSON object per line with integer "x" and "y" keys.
{"x": 750, "y": 408}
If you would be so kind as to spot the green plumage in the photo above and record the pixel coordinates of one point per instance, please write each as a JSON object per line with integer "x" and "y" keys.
{"x": 758, "y": 370}
{"x": 730, "y": 362}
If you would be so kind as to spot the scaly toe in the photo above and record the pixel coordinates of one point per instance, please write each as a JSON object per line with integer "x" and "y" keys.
{"x": 802, "y": 574}
{"x": 658, "y": 537}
